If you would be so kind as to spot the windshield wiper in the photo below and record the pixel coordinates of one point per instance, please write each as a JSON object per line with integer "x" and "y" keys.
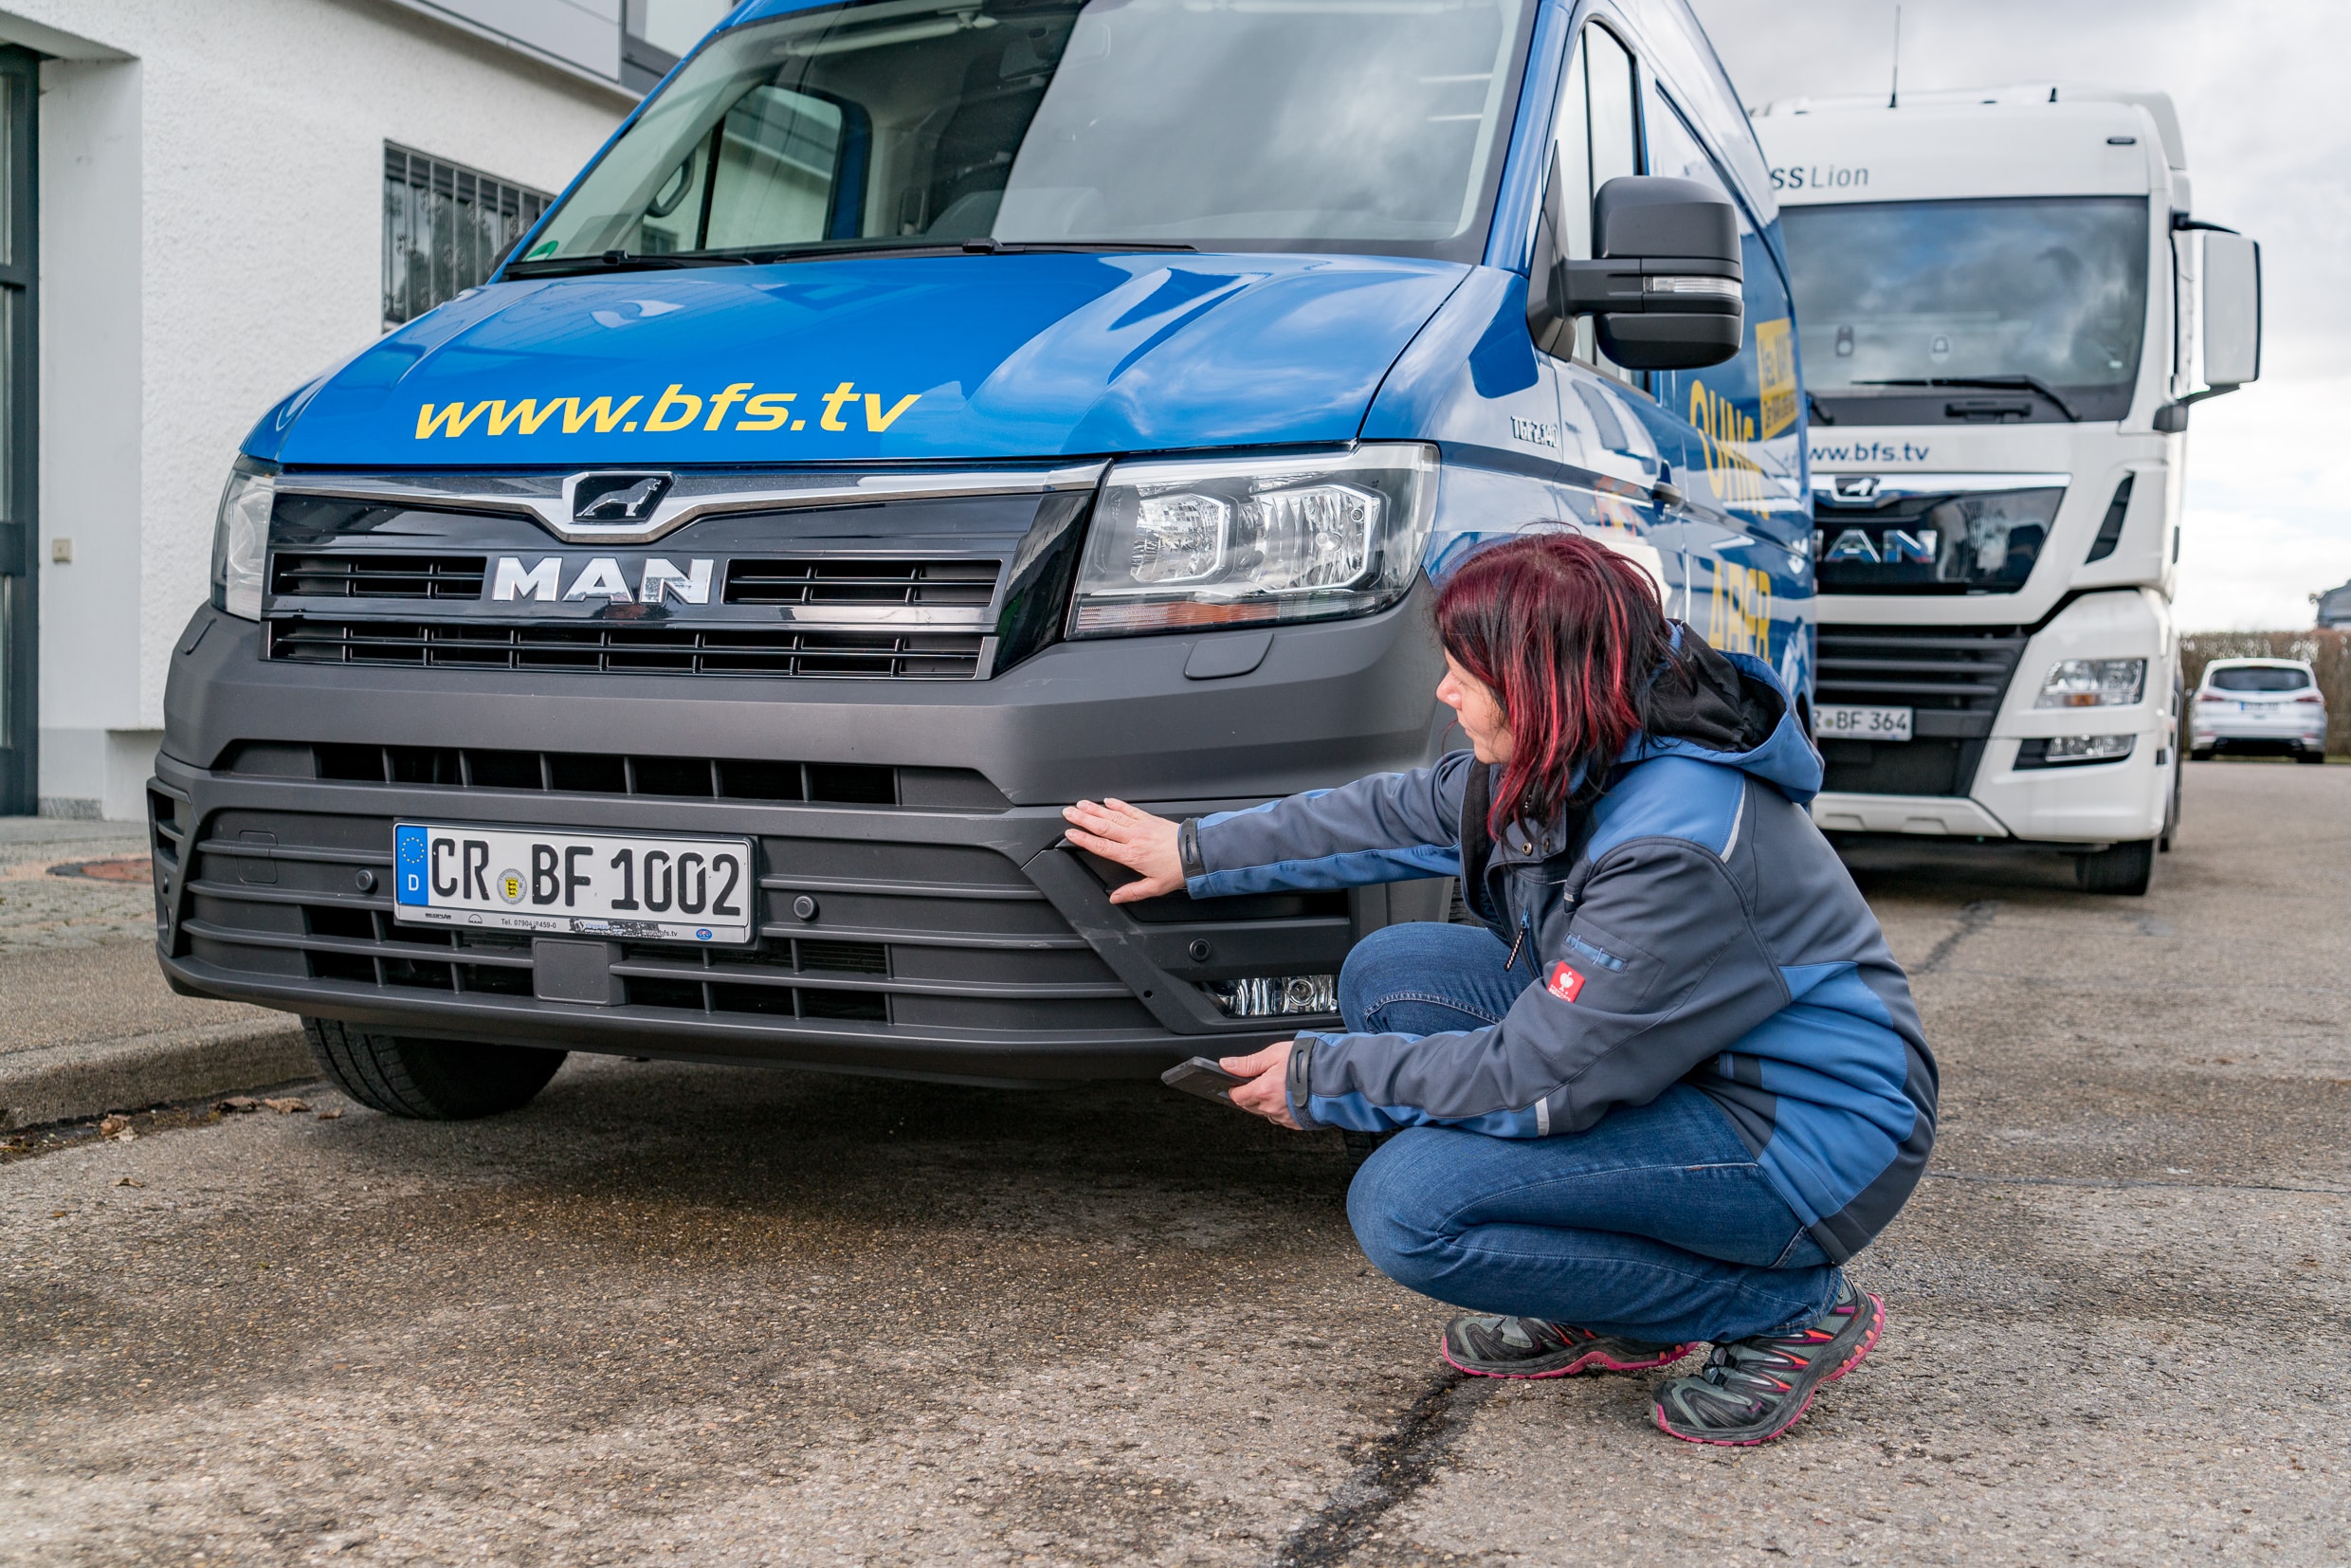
{"x": 620, "y": 261}
{"x": 2020, "y": 383}
{"x": 916, "y": 245}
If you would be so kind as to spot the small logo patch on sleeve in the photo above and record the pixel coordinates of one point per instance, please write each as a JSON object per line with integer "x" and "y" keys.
{"x": 1565, "y": 983}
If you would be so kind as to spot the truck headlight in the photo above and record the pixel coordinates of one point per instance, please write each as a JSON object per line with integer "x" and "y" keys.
{"x": 240, "y": 538}
{"x": 2093, "y": 684}
{"x": 1209, "y": 543}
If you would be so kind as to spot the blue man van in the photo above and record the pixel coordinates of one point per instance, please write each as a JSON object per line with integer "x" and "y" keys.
{"x": 921, "y": 414}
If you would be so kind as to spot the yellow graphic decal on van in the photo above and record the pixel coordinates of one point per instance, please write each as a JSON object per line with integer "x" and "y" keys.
{"x": 1731, "y": 474}
{"x": 739, "y": 405}
{"x": 1775, "y": 373}
{"x": 1738, "y": 611}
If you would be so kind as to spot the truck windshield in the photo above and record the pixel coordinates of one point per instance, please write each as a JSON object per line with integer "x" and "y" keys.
{"x": 1232, "y": 124}
{"x": 1893, "y": 297}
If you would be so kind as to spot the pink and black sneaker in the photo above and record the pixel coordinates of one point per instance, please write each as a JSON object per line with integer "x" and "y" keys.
{"x": 1529, "y": 1347}
{"x": 1750, "y": 1390}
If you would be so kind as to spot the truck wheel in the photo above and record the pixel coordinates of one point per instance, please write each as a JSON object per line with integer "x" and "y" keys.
{"x": 428, "y": 1080}
{"x": 2178, "y": 802}
{"x": 2118, "y": 869}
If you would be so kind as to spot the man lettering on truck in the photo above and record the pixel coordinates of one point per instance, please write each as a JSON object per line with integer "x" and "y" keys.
{"x": 1684, "y": 1015}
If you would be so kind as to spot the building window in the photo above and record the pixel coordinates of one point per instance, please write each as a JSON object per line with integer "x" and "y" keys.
{"x": 656, "y": 35}
{"x": 446, "y": 228}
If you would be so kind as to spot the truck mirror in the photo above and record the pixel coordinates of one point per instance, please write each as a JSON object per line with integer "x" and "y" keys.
{"x": 1663, "y": 293}
{"x": 2232, "y": 310}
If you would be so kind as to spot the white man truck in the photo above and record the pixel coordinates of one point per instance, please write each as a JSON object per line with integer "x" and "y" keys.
{"x": 2007, "y": 309}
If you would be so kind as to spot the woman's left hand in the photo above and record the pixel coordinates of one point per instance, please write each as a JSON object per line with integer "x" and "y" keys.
{"x": 1267, "y": 1091}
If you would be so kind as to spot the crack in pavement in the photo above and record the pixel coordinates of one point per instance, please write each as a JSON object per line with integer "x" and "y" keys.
{"x": 1400, "y": 1463}
{"x": 2132, "y": 1181}
{"x": 1974, "y": 916}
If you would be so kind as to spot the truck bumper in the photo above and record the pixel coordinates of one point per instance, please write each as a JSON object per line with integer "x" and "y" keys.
{"x": 954, "y": 934}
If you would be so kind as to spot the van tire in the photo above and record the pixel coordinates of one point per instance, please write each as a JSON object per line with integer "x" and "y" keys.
{"x": 428, "y": 1080}
{"x": 2125, "y": 869}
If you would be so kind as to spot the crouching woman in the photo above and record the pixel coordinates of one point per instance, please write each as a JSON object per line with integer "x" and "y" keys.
{"x": 1673, "y": 1081}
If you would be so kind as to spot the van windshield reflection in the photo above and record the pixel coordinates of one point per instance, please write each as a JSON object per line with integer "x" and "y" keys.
{"x": 1370, "y": 125}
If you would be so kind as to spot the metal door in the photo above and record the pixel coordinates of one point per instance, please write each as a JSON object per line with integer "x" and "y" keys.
{"x": 20, "y": 523}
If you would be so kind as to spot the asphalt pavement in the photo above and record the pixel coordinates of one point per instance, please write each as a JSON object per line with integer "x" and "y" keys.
{"x": 673, "y": 1313}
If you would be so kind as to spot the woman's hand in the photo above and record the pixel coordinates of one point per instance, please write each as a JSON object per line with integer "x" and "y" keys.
{"x": 1267, "y": 1093}
{"x": 1134, "y": 839}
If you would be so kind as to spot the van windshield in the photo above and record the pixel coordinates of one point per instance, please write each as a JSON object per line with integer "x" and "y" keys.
{"x": 1232, "y": 124}
{"x": 1894, "y": 297}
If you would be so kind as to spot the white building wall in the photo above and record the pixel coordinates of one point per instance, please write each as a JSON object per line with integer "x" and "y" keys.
{"x": 212, "y": 237}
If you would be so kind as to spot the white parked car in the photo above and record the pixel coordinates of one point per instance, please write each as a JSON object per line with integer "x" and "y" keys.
{"x": 2268, "y": 705}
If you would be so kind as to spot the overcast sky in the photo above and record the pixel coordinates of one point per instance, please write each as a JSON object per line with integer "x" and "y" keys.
{"x": 2266, "y": 113}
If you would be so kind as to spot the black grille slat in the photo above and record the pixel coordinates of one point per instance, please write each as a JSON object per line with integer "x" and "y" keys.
{"x": 378, "y": 576}
{"x": 1954, "y": 670}
{"x": 626, "y": 650}
{"x": 964, "y": 583}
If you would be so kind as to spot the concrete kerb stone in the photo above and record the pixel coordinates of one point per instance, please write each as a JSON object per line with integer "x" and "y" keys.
{"x": 66, "y": 1083}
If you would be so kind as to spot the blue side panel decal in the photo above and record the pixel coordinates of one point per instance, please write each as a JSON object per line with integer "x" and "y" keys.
{"x": 408, "y": 864}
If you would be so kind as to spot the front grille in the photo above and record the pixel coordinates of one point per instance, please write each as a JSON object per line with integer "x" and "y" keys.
{"x": 378, "y": 576}
{"x": 905, "y": 935}
{"x": 860, "y": 582}
{"x": 666, "y": 647}
{"x": 588, "y": 773}
{"x": 1951, "y": 678}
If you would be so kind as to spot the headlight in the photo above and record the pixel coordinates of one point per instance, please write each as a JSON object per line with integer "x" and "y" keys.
{"x": 240, "y": 538}
{"x": 2093, "y": 684}
{"x": 1206, "y": 544}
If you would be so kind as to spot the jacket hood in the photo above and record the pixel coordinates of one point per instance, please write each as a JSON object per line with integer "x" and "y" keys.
{"x": 892, "y": 359}
{"x": 1734, "y": 714}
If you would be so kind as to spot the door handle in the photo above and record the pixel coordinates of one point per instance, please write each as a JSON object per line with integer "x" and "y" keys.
{"x": 1665, "y": 494}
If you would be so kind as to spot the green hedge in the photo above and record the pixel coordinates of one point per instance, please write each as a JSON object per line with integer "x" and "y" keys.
{"x": 2329, "y": 653}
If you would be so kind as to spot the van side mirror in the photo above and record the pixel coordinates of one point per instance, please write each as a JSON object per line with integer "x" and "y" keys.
{"x": 1664, "y": 294}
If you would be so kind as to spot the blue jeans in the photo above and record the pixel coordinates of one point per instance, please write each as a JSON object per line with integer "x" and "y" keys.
{"x": 1655, "y": 1224}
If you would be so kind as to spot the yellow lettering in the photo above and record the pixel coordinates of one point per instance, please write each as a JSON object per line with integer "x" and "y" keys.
{"x": 692, "y": 404}
{"x": 451, "y": 419}
{"x": 720, "y": 404}
{"x": 766, "y": 411}
{"x": 877, "y": 420}
{"x": 527, "y": 413}
{"x": 575, "y": 418}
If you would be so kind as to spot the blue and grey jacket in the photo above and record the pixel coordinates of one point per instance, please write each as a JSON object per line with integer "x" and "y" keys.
{"x": 1691, "y": 925}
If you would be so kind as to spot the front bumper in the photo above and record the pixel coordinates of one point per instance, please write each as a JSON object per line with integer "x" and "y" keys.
{"x": 955, "y": 935}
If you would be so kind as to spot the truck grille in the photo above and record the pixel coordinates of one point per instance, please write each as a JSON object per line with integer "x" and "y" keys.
{"x": 869, "y": 583}
{"x": 1952, "y": 677}
{"x": 588, "y": 773}
{"x": 919, "y": 936}
{"x": 626, "y": 648}
{"x": 379, "y": 576}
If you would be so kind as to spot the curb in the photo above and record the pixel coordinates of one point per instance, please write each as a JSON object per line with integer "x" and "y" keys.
{"x": 66, "y": 1083}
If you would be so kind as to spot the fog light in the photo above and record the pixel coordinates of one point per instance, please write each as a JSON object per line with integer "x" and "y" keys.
{"x": 2072, "y": 750}
{"x": 1271, "y": 996}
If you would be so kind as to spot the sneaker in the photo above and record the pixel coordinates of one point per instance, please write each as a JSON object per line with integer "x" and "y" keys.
{"x": 1750, "y": 1390}
{"x": 1529, "y": 1347}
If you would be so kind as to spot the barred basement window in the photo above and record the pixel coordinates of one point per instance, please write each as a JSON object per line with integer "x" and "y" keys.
{"x": 445, "y": 227}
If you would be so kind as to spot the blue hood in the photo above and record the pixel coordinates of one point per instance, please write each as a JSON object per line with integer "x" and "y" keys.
{"x": 1785, "y": 759}
{"x": 904, "y": 359}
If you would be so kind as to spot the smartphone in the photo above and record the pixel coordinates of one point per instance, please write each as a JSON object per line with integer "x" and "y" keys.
{"x": 1203, "y": 1077}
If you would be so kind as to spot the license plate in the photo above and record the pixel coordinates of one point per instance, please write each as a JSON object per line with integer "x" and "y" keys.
{"x": 590, "y": 885}
{"x": 1852, "y": 724}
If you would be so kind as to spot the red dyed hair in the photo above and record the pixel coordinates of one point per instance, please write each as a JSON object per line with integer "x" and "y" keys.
{"x": 1567, "y": 634}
